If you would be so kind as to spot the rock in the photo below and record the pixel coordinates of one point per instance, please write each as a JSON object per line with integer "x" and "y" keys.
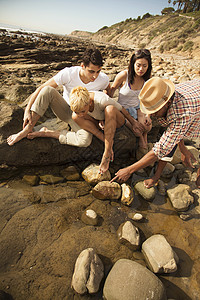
{"x": 184, "y": 217}
{"x": 82, "y": 187}
{"x": 7, "y": 172}
{"x": 31, "y": 179}
{"x": 128, "y": 280}
{"x": 89, "y": 217}
{"x": 159, "y": 254}
{"x": 129, "y": 235}
{"x": 5, "y": 296}
{"x": 137, "y": 217}
{"x": 147, "y": 194}
{"x": 92, "y": 176}
{"x": 106, "y": 190}
{"x": 88, "y": 272}
{"x": 177, "y": 155}
{"x": 180, "y": 197}
{"x": 70, "y": 173}
{"x": 161, "y": 187}
{"x": 45, "y": 151}
{"x": 168, "y": 170}
{"x": 127, "y": 194}
{"x": 51, "y": 179}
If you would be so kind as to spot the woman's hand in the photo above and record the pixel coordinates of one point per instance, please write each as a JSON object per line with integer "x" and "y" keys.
{"x": 138, "y": 128}
{"x": 122, "y": 175}
{"x": 147, "y": 120}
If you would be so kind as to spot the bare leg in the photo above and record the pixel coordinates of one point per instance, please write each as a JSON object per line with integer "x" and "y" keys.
{"x": 44, "y": 132}
{"x": 113, "y": 119}
{"x": 14, "y": 138}
{"x": 152, "y": 181}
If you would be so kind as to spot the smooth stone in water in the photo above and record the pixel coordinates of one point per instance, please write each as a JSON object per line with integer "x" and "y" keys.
{"x": 70, "y": 173}
{"x": 106, "y": 190}
{"x": 88, "y": 272}
{"x": 128, "y": 280}
{"x": 92, "y": 176}
{"x": 180, "y": 197}
{"x": 127, "y": 194}
{"x": 147, "y": 194}
{"x": 129, "y": 235}
{"x": 159, "y": 255}
{"x": 89, "y": 217}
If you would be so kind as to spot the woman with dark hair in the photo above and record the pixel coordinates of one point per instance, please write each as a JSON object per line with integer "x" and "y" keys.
{"x": 130, "y": 82}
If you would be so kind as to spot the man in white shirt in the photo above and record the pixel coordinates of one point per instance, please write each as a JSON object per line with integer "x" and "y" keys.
{"x": 88, "y": 75}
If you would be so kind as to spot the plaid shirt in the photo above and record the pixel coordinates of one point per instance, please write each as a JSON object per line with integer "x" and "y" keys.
{"x": 183, "y": 118}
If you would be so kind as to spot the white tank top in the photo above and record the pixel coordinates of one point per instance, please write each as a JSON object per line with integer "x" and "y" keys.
{"x": 127, "y": 96}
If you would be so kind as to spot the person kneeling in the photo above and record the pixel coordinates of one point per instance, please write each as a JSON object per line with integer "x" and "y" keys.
{"x": 94, "y": 111}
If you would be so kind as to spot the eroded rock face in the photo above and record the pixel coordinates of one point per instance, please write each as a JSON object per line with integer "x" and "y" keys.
{"x": 88, "y": 272}
{"x": 129, "y": 280}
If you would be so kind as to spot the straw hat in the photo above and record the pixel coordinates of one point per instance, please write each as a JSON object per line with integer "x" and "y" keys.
{"x": 155, "y": 93}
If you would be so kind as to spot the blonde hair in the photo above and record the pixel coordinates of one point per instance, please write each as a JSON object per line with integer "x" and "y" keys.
{"x": 79, "y": 98}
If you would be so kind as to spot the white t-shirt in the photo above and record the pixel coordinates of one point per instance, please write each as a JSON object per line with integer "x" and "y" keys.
{"x": 69, "y": 77}
{"x": 101, "y": 100}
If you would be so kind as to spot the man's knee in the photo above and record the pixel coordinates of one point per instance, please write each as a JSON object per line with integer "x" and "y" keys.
{"x": 46, "y": 90}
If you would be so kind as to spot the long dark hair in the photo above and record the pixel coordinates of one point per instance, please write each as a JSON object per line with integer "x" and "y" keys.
{"x": 141, "y": 53}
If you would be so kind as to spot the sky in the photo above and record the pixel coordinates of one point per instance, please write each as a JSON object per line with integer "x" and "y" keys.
{"x": 65, "y": 16}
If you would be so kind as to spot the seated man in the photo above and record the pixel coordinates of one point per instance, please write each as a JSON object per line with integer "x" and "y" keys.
{"x": 177, "y": 106}
{"x": 90, "y": 109}
{"x": 89, "y": 75}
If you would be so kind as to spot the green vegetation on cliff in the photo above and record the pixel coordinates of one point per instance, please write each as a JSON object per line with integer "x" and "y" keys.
{"x": 173, "y": 32}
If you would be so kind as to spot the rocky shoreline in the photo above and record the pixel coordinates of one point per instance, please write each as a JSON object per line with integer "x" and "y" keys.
{"x": 44, "y": 220}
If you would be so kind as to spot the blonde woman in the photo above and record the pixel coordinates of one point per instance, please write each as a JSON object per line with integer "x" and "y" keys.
{"x": 94, "y": 111}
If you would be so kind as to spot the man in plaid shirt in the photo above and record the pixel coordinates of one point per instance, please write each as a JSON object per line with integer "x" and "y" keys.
{"x": 177, "y": 107}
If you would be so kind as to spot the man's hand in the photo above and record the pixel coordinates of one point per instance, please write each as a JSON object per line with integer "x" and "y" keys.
{"x": 122, "y": 175}
{"x": 187, "y": 157}
{"x": 27, "y": 118}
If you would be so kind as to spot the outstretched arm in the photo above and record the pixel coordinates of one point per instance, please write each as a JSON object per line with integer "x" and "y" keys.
{"x": 123, "y": 174}
{"x": 27, "y": 113}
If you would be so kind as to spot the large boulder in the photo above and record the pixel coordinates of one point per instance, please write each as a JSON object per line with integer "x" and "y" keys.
{"x": 129, "y": 280}
{"x": 45, "y": 151}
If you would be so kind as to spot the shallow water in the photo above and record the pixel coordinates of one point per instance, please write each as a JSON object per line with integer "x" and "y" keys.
{"x": 160, "y": 218}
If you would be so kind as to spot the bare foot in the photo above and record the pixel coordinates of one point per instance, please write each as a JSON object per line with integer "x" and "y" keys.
{"x": 148, "y": 183}
{"x": 14, "y": 138}
{"x": 104, "y": 166}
